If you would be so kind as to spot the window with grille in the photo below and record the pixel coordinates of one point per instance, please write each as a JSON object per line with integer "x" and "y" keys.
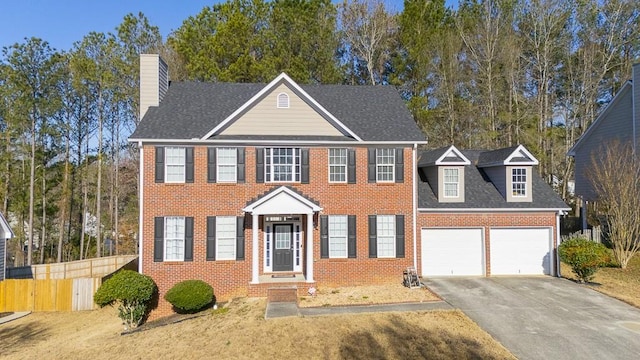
{"x": 519, "y": 182}
{"x": 386, "y": 235}
{"x": 338, "y": 232}
{"x": 174, "y": 238}
{"x": 338, "y": 165}
{"x": 451, "y": 182}
{"x": 174, "y": 159}
{"x": 385, "y": 165}
{"x": 227, "y": 160}
{"x": 282, "y": 164}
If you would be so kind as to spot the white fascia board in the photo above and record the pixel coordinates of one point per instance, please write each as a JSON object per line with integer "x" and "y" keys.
{"x": 274, "y": 142}
{"x": 516, "y": 153}
{"x": 278, "y": 191}
{"x": 457, "y": 153}
{"x": 270, "y": 87}
{"x": 491, "y": 210}
{"x": 6, "y": 229}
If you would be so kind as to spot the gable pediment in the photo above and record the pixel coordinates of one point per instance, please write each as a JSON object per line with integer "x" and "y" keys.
{"x": 282, "y": 108}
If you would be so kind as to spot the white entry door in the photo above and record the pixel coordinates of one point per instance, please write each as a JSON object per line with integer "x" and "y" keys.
{"x": 452, "y": 252}
{"x": 520, "y": 251}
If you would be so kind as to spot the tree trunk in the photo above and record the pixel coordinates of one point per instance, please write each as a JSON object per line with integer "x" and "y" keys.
{"x": 99, "y": 182}
{"x": 32, "y": 178}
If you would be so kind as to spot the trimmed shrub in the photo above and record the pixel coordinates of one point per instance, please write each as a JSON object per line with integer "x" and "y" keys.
{"x": 190, "y": 295}
{"x": 131, "y": 291}
{"x": 584, "y": 257}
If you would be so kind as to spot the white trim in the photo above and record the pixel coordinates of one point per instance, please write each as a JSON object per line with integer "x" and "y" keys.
{"x": 346, "y": 165}
{"x": 141, "y": 208}
{"x": 550, "y": 246}
{"x": 278, "y": 101}
{"x": 164, "y": 238}
{"x": 235, "y": 236}
{"x": 255, "y": 230}
{"x": 556, "y": 243}
{"x": 490, "y": 210}
{"x": 414, "y": 199}
{"x": 282, "y": 77}
{"x": 245, "y": 142}
{"x": 513, "y": 183}
{"x": 184, "y": 165}
{"x": 235, "y": 165}
{"x": 445, "y": 182}
{"x": 519, "y": 151}
{"x": 456, "y": 152}
{"x": 282, "y": 189}
{"x": 6, "y": 229}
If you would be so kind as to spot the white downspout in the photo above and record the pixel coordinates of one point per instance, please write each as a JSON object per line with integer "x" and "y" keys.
{"x": 555, "y": 252}
{"x": 141, "y": 208}
{"x": 415, "y": 205}
{"x": 255, "y": 230}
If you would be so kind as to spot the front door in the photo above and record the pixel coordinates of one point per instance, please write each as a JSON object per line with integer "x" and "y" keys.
{"x": 283, "y": 247}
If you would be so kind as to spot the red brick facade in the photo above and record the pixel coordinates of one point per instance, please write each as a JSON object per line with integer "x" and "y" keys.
{"x": 232, "y": 278}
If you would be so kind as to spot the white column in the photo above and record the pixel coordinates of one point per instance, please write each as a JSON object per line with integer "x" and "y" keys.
{"x": 255, "y": 231}
{"x": 310, "y": 247}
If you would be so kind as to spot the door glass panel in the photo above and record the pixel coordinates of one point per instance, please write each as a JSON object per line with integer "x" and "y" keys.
{"x": 283, "y": 237}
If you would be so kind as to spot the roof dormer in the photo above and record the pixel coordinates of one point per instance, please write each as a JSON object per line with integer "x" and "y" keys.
{"x": 510, "y": 171}
{"x": 444, "y": 171}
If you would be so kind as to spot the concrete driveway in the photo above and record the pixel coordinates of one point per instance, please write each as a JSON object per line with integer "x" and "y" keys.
{"x": 546, "y": 317}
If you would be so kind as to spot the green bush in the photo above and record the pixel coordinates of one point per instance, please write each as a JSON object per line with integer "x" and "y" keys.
{"x": 584, "y": 257}
{"x": 190, "y": 295}
{"x": 131, "y": 291}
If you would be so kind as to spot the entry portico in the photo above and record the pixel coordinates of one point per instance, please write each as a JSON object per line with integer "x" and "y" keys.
{"x": 282, "y": 210}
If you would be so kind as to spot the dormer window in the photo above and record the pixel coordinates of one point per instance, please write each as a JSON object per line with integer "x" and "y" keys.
{"x": 283, "y": 101}
{"x": 519, "y": 182}
{"x": 451, "y": 182}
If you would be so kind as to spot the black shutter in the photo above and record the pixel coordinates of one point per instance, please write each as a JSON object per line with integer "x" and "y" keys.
{"x": 211, "y": 165}
{"x": 241, "y": 172}
{"x": 240, "y": 238}
{"x": 400, "y": 236}
{"x": 351, "y": 240}
{"x": 158, "y": 239}
{"x": 399, "y": 165}
{"x": 211, "y": 238}
{"x": 371, "y": 169}
{"x": 159, "y": 164}
{"x": 324, "y": 236}
{"x": 304, "y": 166}
{"x": 188, "y": 161}
{"x": 259, "y": 165}
{"x": 188, "y": 239}
{"x": 351, "y": 166}
{"x": 373, "y": 237}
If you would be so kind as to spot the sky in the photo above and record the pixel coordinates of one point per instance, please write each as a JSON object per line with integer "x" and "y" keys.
{"x": 63, "y": 22}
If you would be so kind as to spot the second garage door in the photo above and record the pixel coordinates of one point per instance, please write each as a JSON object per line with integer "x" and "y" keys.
{"x": 452, "y": 252}
{"x": 522, "y": 251}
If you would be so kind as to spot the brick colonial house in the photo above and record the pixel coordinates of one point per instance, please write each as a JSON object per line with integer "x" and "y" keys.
{"x": 254, "y": 186}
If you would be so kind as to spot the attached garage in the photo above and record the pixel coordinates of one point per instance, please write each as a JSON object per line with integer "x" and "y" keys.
{"x": 521, "y": 251}
{"x": 452, "y": 252}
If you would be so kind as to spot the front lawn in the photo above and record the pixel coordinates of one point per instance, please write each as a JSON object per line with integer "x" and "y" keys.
{"x": 243, "y": 333}
{"x": 615, "y": 282}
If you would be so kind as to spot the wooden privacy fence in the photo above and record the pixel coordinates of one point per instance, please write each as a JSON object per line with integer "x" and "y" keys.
{"x": 48, "y": 295}
{"x": 88, "y": 268}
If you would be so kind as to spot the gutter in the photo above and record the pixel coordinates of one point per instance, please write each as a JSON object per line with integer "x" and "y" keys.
{"x": 270, "y": 142}
{"x": 555, "y": 248}
{"x": 452, "y": 210}
{"x": 141, "y": 208}
{"x": 414, "y": 190}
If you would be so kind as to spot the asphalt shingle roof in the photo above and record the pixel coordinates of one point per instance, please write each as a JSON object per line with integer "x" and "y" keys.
{"x": 480, "y": 192}
{"x": 191, "y": 109}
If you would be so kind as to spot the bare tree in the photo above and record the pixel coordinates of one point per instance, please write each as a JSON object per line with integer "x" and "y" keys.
{"x": 369, "y": 32}
{"x": 615, "y": 177}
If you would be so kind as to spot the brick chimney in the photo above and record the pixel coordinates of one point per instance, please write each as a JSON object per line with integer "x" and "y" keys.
{"x": 154, "y": 81}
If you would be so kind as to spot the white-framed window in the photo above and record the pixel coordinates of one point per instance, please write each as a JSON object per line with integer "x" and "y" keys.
{"x": 227, "y": 161}
{"x": 519, "y": 182}
{"x": 338, "y": 232}
{"x": 283, "y": 101}
{"x": 226, "y": 237}
{"x": 385, "y": 165}
{"x": 174, "y": 160}
{"x": 386, "y": 235}
{"x": 282, "y": 164}
{"x": 451, "y": 182}
{"x": 338, "y": 165}
{"x": 174, "y": 227}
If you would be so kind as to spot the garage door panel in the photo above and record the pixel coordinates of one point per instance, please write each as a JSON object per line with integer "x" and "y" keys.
{"x": 520, "y": 251}
{"x": 452, "y": 252}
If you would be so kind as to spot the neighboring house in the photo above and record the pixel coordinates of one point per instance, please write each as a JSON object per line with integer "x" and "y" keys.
{"x": 5, "y": 234}
{"x": 619, "y": 121}
{"x": 255, "y": 186}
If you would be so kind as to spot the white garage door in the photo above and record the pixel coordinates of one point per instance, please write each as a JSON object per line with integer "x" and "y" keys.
{"x": 452, "y": 252}
{"x": 522, "y": 251}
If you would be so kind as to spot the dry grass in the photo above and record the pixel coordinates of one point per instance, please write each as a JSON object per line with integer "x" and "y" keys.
{"x": 615, "y": 282}
{"x": 241, "y": 332}
{"x": 367, "y": 295}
